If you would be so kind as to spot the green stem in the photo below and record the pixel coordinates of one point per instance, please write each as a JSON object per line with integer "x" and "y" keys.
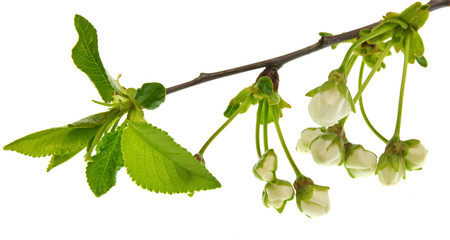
{"x": 350, "y": 64}
{"x": 374, "y": 70}
{"x": 258, "y": 127}
{"x": 265, "y": 123}
{"x": 360, "y": 41}
{"x": 283, "y": 143}
{"x": 361, "y": 106}
{"x": 202, "y": 150}
{"x": 402, "y": 87}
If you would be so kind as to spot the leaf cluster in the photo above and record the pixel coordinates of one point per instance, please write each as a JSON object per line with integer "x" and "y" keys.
{"x": 262, "y": 89}
{"x": 152, "y": 158}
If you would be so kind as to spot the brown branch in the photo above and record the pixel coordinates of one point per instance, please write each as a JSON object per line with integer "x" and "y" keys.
{"x": 278, "y": 62}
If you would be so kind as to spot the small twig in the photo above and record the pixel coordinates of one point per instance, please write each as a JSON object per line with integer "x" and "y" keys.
{"x": 278, "y": 62}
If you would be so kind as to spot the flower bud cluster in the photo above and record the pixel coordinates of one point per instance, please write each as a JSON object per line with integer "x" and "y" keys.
{"x": 397, "y": 158}
{"x": 276, "y": 192}
{"x": 330, "y": 147}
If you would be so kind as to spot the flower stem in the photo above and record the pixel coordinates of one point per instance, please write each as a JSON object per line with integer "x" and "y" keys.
{"x": 360, "y": 41}
{"x": 361, "y": 106}
{"x": 374, "y": 70}
{"x": 402, "y": 87}
{"x": 265, "y": 123}
{"x": 283, "y": 143}
{"x": 202, "y": 150}
{"x": 258, "y": 127}
{"x": 350, "y": 64}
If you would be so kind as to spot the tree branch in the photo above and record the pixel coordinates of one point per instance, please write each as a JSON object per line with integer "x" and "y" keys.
{"x": 278, "y": 62}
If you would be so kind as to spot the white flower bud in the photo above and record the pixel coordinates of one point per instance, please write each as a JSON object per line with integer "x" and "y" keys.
{"x": 327, "y": 149}
{"x": 306, "y": 138}
{"x": 313, "y": 200}
{"x": 390, "y": 169}
{"x": 265, "y": 168}
{"x": 277, "y": 194}
{"x": 328, "y": 107}
{"x": 360, "y": 162}
{"x": 415, "y": 154}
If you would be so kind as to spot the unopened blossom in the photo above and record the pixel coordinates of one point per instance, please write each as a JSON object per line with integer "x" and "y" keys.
{"x": 277, "y": 194}
{"x": 312, "y": 200}
{"x": 265, "y": 168}
{"x": 327, "y": 149}
{"x": 328, "y": 107}
{"x": 306, "y": 138}
{"x": 415, "y": 154}
{"x": 390, "y": 169}
{"x": 360, "y": 162}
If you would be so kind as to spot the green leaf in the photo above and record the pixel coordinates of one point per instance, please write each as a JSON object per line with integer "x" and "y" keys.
{"x": 60, "y": 159}
{"x": 231, "y": 109}
{"x": 422, "y": 61}
{"x": 150, "y": 95}
{"x": 383, "y": 36}
{"x": 54, "y": 141}
{"x": 111, "y": 118}
{"x": 91, "y": 121}
{"x": 101, "y": 172}
{"x": 156, "y": 163}
{"x": 236, "y": 102}
{"x": 265, "y": 85}
{"x": 416, "y": 15}
{"x": 86, "y": 57}
{"x": 417, "y": 48}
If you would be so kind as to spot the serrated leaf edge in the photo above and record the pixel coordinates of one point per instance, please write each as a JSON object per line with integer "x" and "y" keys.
{"x": 165, "y": 192}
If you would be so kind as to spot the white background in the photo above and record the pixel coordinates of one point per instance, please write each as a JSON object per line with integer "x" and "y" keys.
{"x": 172, "y": 42}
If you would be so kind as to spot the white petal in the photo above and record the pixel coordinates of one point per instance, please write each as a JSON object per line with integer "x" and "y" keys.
{"x": 388, "y": 176}
{"x": 416, "y": 156}
{"x": 361, "y": 159}
{"x": 325, "y": 152}
{"x": 307, "y": 136}
{"x": 328, "y": 107}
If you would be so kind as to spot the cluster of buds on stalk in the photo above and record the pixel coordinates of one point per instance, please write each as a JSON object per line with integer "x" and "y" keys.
{"x": 330, "y": 147}
{"x": 331, "y": 103}
{"x": 398, "y": 157}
